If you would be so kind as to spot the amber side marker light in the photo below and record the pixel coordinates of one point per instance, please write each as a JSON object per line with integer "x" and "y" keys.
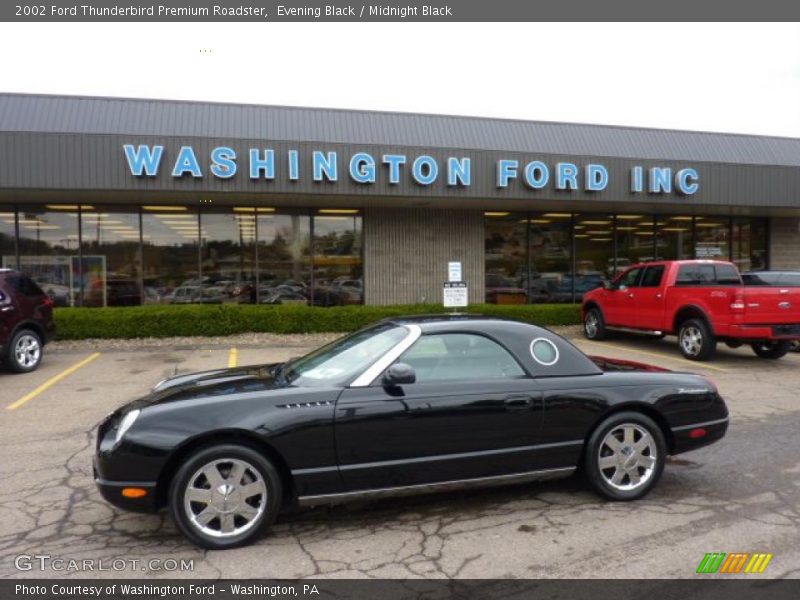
{"x": 697, "y": 433}
{"x": 134, "y": 492}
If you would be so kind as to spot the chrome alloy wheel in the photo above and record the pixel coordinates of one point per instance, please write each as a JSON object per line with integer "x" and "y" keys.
{"x": 590, "y": 324}
{"x": 27, "y": 351}
{"x": 627, "y": 457}
{"x": 691, "y": 340}
{"x": 225, "y": 498}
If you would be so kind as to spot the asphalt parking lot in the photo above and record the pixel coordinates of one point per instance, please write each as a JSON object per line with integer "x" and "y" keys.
{"x": 741, "y": 495}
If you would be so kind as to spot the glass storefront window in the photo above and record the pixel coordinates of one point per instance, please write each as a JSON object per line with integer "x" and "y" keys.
{"x": 8, "y": 247}
{"x": 634, "y": 238}
{"x": 506, "y": 257}
{"x": 111, "y": 257}
{"x": 170, "y": 255}
{"x": 712, "y": 238}
{"x": 337, "y": 277}
{"x": 594, "y": 254}
{"x": 228, "y": 263}
{"x": 48, "y": 248}
{"x": 749, "y": 243}
{"x": 284, "y": 257}
{"x": 550, "y": 245}
{"x": 674, "y": 240}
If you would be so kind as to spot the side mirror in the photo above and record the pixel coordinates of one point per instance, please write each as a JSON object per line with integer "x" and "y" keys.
{"x": 398, "y": 374}
{"x": 607, "y": 285}
{"x": 623, "y": 288}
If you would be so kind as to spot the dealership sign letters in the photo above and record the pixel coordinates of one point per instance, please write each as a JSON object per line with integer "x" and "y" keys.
{"x": 224, "y": 162}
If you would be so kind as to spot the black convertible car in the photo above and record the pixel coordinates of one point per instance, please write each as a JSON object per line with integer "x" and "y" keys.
{"x": 408, "y": 405}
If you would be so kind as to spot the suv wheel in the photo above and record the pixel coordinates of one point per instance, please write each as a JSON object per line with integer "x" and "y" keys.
{"x": 594, "y": 326}
{"x": 771, "y": 349}
{"x": 225, "y": 496}
{"x": 696, "y": 340}
{"x": 24, "y": 352}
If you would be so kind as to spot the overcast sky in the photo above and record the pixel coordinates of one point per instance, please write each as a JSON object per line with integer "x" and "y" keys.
{"x": 716, "y": 77}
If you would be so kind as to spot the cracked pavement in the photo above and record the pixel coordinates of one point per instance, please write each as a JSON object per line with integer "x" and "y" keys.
{"x": 740, "y": 495}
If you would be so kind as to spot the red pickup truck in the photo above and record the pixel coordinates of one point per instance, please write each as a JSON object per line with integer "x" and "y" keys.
{"x": 700, "y": 301}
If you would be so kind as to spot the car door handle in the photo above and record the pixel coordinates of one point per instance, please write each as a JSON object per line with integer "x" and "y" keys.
{"x": 659, "y": 296}
{"x": 630, "y": 295}
{"x": 518, "y": 402}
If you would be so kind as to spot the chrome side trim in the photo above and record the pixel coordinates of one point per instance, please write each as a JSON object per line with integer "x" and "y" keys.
{"x": 385, "y": 361}
{"x": 704, "y": 424}
{"x": 634, "y": 330}
{"x": 433, "y": 458}
{"x": 425, "y": 488}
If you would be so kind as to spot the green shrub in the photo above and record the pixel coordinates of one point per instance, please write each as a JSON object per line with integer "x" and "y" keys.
{"x": 228, "y": 319}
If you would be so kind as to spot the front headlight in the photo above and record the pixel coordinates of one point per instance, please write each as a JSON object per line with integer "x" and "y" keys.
{"x": 125, "y": 424}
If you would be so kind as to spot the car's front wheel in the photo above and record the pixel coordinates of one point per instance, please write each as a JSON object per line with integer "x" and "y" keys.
{"x": 24, "y": 352}
{"x": 225, "y": 496}
{"x": 594, "y": 325}
{"x": 771, "y": 349}
{"x": 625, "y": 456}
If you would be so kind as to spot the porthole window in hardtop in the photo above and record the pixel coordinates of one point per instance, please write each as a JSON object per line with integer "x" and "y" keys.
{"x": 544, "y": 352}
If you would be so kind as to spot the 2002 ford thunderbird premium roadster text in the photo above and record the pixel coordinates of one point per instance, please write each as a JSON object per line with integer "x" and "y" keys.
{"x": 407, "y": 405}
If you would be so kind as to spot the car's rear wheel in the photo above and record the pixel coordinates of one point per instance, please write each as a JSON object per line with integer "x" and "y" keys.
{"x": 625, "y": 456}
{"x": 225, "y": 496}
{"x": 777, "y": 349}
{"x": 696, "y": 340}
{"x": 594, "y": 326}
{"x": 24, "y": 352}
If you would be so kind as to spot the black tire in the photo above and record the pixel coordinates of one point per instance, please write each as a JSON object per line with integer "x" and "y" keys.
{"x": 772, "y": 350}
{"x": 594, "y": 325}
{"x": 223, "y": 459}
{"x": 598, "y": 448}
{"x": 696, "y": 341}
{"x": 19, "y": 359}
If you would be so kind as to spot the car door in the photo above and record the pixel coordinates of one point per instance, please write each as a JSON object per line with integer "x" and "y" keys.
{"x": 649, "y": 296}
{"x": 473, "y": 412}
{"x": 620, "y": 300}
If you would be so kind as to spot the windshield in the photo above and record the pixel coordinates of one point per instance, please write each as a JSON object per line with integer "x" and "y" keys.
{"x": 344, "y": 359}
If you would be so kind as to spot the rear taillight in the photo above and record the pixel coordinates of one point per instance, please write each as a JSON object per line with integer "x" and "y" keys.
{"x": 737, "y": 302}
{"x": 49, "y": 302}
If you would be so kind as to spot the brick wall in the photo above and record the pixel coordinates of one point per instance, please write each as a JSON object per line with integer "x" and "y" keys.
{"x": 406, "y": 251}
{"x": 784, "y": 248}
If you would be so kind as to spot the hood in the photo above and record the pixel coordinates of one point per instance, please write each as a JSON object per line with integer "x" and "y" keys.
{"x": 253, "y": 378}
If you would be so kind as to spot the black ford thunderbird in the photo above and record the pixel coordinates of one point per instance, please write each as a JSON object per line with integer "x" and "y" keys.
{"x": 408, "y": 405}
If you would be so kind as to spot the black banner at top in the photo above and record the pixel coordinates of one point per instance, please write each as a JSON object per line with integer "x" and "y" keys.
{"x": 441, "y": 11}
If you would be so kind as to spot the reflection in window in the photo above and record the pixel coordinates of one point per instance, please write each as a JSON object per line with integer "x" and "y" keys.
{"x": 550, "y": 246}
{"x": 506, "y": 258}
{"x": 284, "y": 258}
{"x": 48, "y": 247}
{"x": 8, "y": 249}
{"x": 712, "y": 238}
{"x": 337, "y": 277}
{"x": 170, "y": 255}
{"x": 227, "y": 257}
{"x": 674, "y": 239}
{"x": 634, "y": 238}
{"x": 110, "y": 274}
{"x": 594, "y": 253}
{"x": 749, "y": 243}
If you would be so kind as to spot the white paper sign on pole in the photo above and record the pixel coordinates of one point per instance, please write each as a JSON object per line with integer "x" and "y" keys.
{"x": 455, "y": 294}
{"x": 454, "y": 271}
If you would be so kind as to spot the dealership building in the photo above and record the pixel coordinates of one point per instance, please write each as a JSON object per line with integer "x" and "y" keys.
{"x": 109, "y": 201}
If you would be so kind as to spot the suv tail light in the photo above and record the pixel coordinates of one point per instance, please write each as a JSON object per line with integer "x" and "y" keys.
{"x": 49, "y": 302}
{"x": 737, "y": 302}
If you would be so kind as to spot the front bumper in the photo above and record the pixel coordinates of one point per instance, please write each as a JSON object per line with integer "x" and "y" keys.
{"x": 112, "y": 492}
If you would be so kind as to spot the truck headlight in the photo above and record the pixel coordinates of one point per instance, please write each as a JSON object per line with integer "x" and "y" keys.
{"x": 126, "y": 423}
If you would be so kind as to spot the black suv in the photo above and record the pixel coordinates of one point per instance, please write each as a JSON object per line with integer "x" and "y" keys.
{"x": 26, "y": 321}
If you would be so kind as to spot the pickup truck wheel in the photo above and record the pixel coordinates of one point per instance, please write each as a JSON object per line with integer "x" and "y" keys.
{"x": 696, "y": 340}
{"x": 771, "y": 349}
{"x": 594, "y": 326}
